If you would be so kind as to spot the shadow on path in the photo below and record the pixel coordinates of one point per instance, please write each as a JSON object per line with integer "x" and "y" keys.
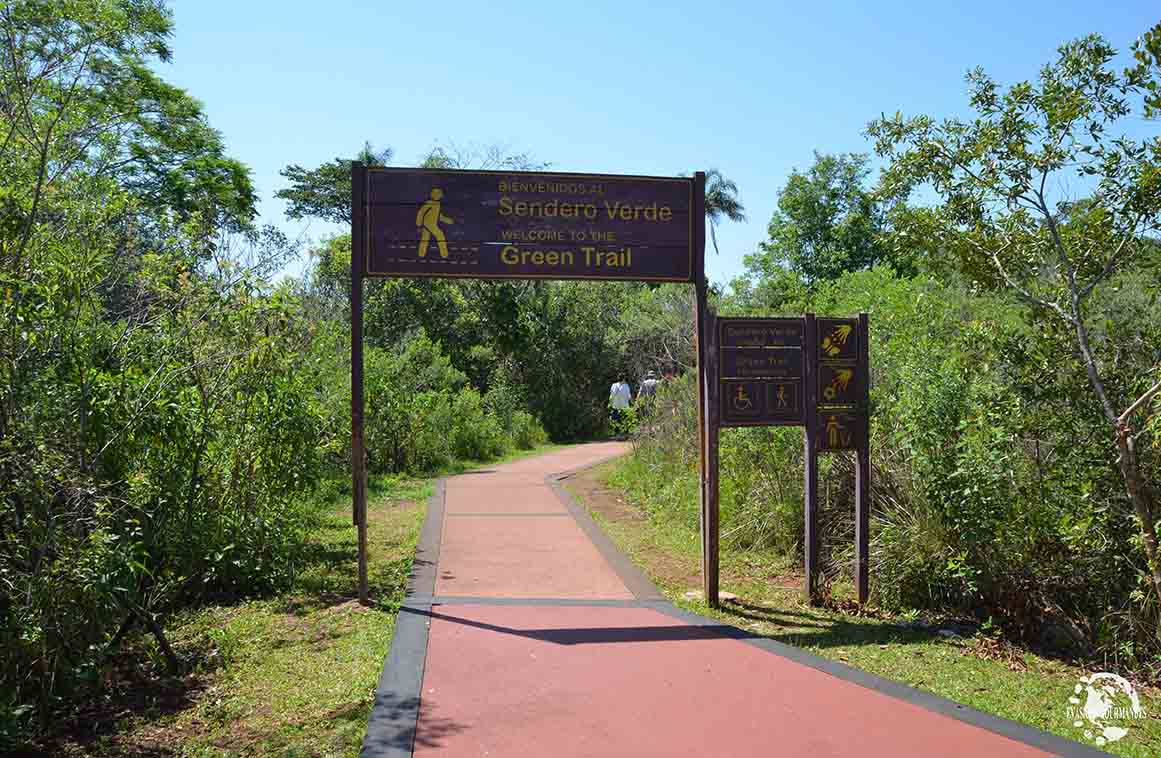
{"x": 401, "y": 730}
{"x": 601, "y": 635}
{"x": 818, "y": 630}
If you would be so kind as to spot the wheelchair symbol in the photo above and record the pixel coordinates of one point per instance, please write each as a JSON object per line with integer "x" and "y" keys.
{"x": 741, "y": 400}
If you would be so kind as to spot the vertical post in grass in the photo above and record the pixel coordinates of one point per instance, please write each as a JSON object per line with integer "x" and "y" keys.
{"x": 713, "y": 430}
{"x": 358, "y": 455}
{"x": 863, "y": 468}
{"x": 706, "y": 431}
{"x": 810, "y": 457}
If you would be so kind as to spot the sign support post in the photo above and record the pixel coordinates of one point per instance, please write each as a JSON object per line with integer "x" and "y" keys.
{"x": 863, "y": 469}
{"x": 358, "y": 454}
{"x": 706, "y": 419}
{"x": 712, "y": 464}
{"x": 810, "y": 457}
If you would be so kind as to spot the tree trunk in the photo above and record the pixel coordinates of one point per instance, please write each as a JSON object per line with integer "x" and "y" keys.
{"x": 1140, "y": 497}
{"x": 171, "y": 658}
{"x": 1127, "y": 461}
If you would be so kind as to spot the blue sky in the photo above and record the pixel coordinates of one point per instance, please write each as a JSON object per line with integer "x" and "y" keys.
{"x": 610, "y": 87}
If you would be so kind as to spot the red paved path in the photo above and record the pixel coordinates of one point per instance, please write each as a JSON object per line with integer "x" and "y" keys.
{"x": 542, "y": 680}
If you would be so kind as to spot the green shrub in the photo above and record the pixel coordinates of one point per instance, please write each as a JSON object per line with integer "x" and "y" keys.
{"x": 526, "y": 432}
{"x": 476, "y": 435}
{"x": 993, "y": 489}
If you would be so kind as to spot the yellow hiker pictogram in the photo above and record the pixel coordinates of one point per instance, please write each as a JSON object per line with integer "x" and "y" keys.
{"x": 833, "y": 427}
{"x": 842, "y": 378}
{"x": 782, "y": 396}
{"x": 837, "y": 435}
{"x": 742, "y": 401}
{"x": 428, "y": 220}
{"x": 833, "y": 343}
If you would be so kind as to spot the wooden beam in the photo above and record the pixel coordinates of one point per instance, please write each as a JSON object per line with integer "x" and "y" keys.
{"x": 702, "y": 322}
{"x": 358, "y": 454}
{"x": 810, "y": 455}
{"x": 713, "y": 430}
{"x": 863, "y": 469}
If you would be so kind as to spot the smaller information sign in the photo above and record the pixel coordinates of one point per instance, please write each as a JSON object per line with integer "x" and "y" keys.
{"x": 812, "y": 372}
{"x": 760, "y": 371}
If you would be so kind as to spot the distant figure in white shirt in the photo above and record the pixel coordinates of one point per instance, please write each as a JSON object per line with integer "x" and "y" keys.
{"x": 648, "y": 387}
{"x": 619, "y": 398}
{"x": 646, "y": 396}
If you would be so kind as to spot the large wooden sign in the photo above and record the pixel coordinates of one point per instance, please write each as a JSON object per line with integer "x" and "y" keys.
{"x": 525, "y": 225}
{"x": 521, "y": 225}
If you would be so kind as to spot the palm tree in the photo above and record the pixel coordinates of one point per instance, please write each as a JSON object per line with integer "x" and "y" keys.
{"x": 721, "y": 199}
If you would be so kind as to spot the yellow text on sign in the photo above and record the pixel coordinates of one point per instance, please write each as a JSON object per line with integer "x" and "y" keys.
{"x": 612, "y": 211}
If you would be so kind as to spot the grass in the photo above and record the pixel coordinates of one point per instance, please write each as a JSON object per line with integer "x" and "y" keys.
{"x": 980, "y": 671}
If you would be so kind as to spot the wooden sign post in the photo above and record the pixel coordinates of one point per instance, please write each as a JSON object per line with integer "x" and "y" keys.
{"x": 810, "y": 372}
{"x": 841, "y": 422}
{"x": 524, "y": 225}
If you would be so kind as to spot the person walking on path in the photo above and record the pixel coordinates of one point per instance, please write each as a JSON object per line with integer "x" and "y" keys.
{"x": 648, "y": 387}
{"x": 620, "y": 395}
{"x": 646, "y": 397}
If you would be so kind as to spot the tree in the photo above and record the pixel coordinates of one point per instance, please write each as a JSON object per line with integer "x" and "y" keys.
{"x": 78, "y": 98}
{"x": 325, "y": 191}
{"x": 136, "y": 349}
{"x": 721, "y": 199}
{"x": 997, "y": 177}
{"x": 826, "y": 223}
{"x": 1147, "y": 52}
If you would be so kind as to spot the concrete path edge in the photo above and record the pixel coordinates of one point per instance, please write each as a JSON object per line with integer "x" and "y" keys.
{"x": 392, "y": 725}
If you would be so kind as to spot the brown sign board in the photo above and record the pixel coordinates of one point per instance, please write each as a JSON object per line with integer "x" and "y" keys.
{"x": 761, "y": 403}
{"x": 760, "y": 371}
{"x": 838, "y": 339}
{"x": 523, "y": 225}
{"x": 812, "y": 372}
{"x": 760, "y": 332}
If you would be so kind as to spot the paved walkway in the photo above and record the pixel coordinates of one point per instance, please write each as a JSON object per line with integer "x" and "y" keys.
{"x": 527, "y": 633}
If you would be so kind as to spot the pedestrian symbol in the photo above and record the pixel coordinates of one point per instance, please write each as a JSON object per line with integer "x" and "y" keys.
{"x": 838, "y": 431}
{"x": 428, "y": 220}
